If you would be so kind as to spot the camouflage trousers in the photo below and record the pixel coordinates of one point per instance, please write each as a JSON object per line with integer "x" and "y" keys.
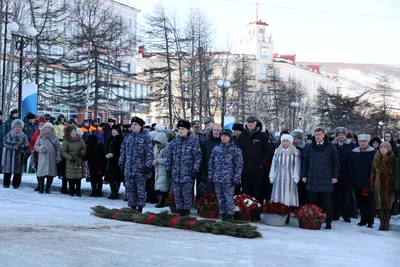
{"x": 135, "y": 188}
{"x": 183, "y": 195}
{"x": 225, "y": 193}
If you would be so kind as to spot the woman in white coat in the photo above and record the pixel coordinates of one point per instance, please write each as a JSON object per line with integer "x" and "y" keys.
{"x": 285, "y": 173}
{"x": 161, "y": 185}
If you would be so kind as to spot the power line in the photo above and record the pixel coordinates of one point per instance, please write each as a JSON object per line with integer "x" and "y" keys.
{"x": 316, "y": 11}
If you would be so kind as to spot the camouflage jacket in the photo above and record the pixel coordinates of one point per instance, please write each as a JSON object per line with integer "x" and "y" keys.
{"x": 183, "y": 160}
{"x": 136, "y": 154}
{"x": 226, "y": 164}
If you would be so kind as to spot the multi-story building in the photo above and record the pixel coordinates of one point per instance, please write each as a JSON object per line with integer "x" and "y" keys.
{"x": 121, "y": 102}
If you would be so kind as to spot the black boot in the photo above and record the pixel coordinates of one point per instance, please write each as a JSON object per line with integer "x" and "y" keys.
{"x": 134, "y": 208}
{"x": 48, "y": 185}
{"x": 328, "y": 225}
{"x": 41, "y": 184}
{"x": 186, "y": 212}
{"x": 139, "y": 209}
{"x": 37, "y": 187}
{"x": 112, "y": 187}
{"x": 99, "y": 192}
{"x": 181, "y": 213}
{"x": 64, "y": 186}
{"x": 223, "y": 217}
{"x": 370, "y": 225}
{"x": 78, "y": 187}
{"x": 228, "y": 217}
{"x": 288, "y": 219}
{"x": 117, "y": 186}
{"x": 94, "y": 190}
{"x": 71, "y": 183}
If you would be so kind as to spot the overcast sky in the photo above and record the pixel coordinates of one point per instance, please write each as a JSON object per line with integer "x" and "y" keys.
{"x": 313, "y": 36}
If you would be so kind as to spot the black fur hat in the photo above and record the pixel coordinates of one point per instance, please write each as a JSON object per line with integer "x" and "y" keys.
{"x": 138, "y": 121}
{"x": 184, "y": 124}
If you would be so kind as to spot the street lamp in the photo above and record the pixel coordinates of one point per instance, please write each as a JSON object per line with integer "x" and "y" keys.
{"x": 345, "y": 117}
{"x": 224, "y": 85}
{"x": 382, "y": 127}
{"x": 294, "y": 105}
{"x": 21, "y": 43}
{"x": 3, "y": 85}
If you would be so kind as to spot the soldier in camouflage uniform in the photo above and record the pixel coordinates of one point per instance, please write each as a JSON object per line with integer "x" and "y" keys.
{"x": 225, "y": 171}
{"x": 182, "y": 166}
{"x": 135, "y": 162}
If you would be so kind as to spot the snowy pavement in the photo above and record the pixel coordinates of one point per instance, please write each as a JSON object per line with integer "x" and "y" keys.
{"x": 58, "y": 230}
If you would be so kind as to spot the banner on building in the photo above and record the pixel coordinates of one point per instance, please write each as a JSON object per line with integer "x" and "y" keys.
{"x": 29, "y": 98}
{"x": 264, "y": 52}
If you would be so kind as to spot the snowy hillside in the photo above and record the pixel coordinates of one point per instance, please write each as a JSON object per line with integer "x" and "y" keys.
{"x": 357, "y": 78}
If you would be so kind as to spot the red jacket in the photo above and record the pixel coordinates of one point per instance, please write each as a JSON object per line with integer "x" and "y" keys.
{"x": 33, "y": 140}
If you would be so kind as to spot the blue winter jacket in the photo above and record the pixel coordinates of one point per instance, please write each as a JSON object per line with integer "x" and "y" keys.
{"x": 183, "y": 160}
{"x": 136, "y": 157}
{"x": 225, "y": 164}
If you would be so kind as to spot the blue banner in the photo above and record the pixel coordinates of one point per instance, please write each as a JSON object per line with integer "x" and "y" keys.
{"x": 29, "y": 99}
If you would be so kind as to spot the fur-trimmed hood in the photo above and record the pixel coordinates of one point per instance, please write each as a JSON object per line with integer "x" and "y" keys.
{"x": 346, "y": 142}
{"x": 292, "y": 150}
{"x": 358, "y": 149}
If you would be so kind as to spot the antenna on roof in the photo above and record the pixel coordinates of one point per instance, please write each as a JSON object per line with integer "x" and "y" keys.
{"x": 257, "y": 11}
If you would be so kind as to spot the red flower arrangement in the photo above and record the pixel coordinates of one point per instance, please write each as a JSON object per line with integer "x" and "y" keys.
{"x": 245, "y": 203}
{"x": 276, "y": 208}
{"x": 207, "y": 202}
{"x": 170, "y": 199}
{"x": 310, "y": 213}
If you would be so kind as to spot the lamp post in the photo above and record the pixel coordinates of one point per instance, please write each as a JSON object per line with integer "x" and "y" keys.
{"x": 3, "y": 85}
{"x": 345, "y": 117}
{"x": 21, "y": 43}
{"x": 382, "y": 127}
{"x": 294, "y": 105}
{"x": 224, "y": 85}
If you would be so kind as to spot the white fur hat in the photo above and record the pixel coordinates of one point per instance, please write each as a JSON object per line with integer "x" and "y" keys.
{"x": 287, "y": 137}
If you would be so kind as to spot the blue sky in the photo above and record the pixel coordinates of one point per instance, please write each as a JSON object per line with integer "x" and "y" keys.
{"x": 313, "y": 36}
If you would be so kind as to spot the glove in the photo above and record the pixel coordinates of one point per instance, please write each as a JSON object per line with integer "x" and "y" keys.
{"x": 73, "y": 160}
{"x": 271, "y": 180}
{"x": 58, "y": 160}
{"x": 43, "y": 149}
{"x": 20, "y": 146}
{"x": 147, "y": 170}
{"x": 109, "y": 155}
{"x": 296, "y": 180}
{"x": 235, "y": 184}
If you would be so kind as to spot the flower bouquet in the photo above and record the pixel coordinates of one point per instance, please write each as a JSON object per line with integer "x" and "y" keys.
{"x": 207, "y": 206}
{"x": 274, "y": 213}
{"x": 171, "y": 203}
{"x": 310, "y": 217}
{"x": 245, "y": 207}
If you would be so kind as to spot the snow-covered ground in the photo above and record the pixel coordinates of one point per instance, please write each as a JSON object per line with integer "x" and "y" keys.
{"x": 58, "y": 230}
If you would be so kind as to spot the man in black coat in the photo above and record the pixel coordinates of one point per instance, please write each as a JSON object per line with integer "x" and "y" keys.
{"x": 300, "y": 144}
{"x": 214, "y": 139}
{"x": 107, "y": 129}
{"x": 255, "y": 146}
{"x": 360, "y": 165}
{"x": 320, "y": 171}
{"x": 237, "y": 129}
{"x": 342, "y": 191}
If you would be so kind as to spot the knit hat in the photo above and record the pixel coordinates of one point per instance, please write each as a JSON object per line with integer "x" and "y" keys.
{"x": 227, "y": 132}
{"x": 184, "y": 124}
{"x": 208, "y": 120}
{"x": 298, "y": 134}
{"x": 159, "y": 127}
{"x": 17, "y": 122}
{"x": 339, "y": 130}
{"x": 386, "y": 145}
{"x": 364, "y": 137}
{"x": 251, "y": 119}
{"x": 287, "y": 137}
{"x": 79, "y": 131}
{"x": 138, "y": 121}
{"x": 48, "y": 124}
{"x": 238, "y": 127}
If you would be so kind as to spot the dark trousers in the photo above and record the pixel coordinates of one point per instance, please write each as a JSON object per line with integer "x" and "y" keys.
{"x": 48, "y": 183}
{"x": 251, "y": 185}
{"x": 326, "y": 198}
{"x": 96, "y": 181}
{"x": 303, "y": 196}
{"x": 16, "y": 181}
{"x": 74, "y": 186}
{"x": 341, "y": 202}
{"x": 366, "y": 204}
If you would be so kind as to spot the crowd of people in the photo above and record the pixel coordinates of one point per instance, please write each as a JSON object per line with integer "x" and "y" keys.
{"x": 341, "y": 172}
